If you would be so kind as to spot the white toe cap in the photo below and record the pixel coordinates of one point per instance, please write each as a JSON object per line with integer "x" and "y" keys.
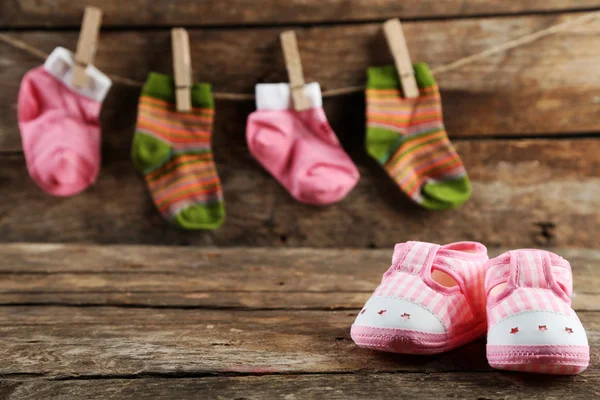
{"x": 538, "y": 328}
{"x": 395, "y": 313}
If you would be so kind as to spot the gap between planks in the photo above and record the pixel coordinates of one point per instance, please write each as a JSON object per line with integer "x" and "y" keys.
{"x": 199, "y": 307}
{"x": 243, "y": 150}
{"x": 297, "y": 24}
{"x": 192, "y": 375}
{"x": 490, "y": 385}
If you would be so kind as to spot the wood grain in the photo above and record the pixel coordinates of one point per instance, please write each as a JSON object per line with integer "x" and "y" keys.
{"x": 526, "y": 193}
{"x": 244, "y": 278}
{"x": 62, "y": 342}
{"x": 63, "y": 13}
{"x": 548, "y": 87}
{"x": 463, "y": 385}
{"x": 119, "y": 351}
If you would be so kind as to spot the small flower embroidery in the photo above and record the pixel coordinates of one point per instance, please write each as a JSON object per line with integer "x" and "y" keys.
{"x": 514, "y": 331}
{"x": 569, "y": 330}
{"x": 381, "y": 312}
{"x": 542, "y": 328}
{"x": 363, "y": 311}
{"x": 405, "y": 316}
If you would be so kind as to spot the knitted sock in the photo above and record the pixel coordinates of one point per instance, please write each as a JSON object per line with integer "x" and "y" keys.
{"x": 173, "y": 151}
{"x": 299, "y": 148}
{"x": 407, "y": 137}
{"x": 59, "y": 124}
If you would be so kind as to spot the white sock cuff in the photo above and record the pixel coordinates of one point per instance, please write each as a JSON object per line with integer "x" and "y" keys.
{"x": 277, "y": 96}
{"x": 60, "y": 65}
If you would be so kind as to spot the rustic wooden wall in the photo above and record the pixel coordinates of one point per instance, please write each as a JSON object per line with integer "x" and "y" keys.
{"x": 525, "y": 122}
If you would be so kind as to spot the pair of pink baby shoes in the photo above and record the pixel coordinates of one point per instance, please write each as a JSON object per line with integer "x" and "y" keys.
{"x": 435, "y": 298}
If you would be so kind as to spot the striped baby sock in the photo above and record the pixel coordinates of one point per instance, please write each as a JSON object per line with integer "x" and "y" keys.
{"x": 173, "y": 151}
{"x": 407, "y": 137}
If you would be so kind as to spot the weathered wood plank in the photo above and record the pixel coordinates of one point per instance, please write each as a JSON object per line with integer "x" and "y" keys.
{"x": 231, "y": 299}
{"x": 526, "y": 193}
{"x": 542, "y": 88}
{"x": 463, "y": 385}
{"x": 62, "y": 13}
{"x": 246, "y": 278}
{"x": 61, "y": 342}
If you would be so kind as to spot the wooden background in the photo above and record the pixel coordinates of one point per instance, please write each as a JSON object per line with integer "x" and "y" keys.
{"x": 79, "y": 320}
{"x": 525, "y": 122}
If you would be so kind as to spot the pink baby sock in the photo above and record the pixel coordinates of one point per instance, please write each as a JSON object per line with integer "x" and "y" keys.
{"x": 299, "y": 148}
{"x": 59, "y": 125}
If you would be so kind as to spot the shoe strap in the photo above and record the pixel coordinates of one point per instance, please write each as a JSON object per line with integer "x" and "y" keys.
{"x": 530, "y": 269}
{"x": 414, "y": 257}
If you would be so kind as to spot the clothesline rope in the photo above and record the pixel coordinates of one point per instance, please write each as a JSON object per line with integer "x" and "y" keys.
{"x": 529, "y": 38}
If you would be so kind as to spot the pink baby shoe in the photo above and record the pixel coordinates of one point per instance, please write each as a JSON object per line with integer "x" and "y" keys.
{"x": 532, "y": 326}
{"x": 429, "y": 301}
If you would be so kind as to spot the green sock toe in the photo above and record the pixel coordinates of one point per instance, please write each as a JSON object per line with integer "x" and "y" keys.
{"x": 447, "y": 194}
{"x": 201, "y": 216}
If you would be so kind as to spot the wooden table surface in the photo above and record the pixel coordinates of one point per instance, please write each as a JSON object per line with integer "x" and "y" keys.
{"x": 118, "y": 322}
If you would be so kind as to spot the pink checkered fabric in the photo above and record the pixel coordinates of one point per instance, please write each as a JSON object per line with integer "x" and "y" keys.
{"x": 409, "y": 277}
{"x": 531, "y": 325}
{"x": 455, "y": 311}
{"x": 534, "y": 279}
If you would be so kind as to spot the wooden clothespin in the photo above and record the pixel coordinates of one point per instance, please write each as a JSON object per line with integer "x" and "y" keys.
{"x": 86, "y": 45}
{"x": 397, "y": 43}
{"x": 293, "y": 64}
{"x": 182, "y": 67}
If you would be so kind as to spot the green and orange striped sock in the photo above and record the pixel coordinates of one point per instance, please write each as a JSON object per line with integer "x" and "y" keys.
{"x": 173, "y": 151}
{"x": 407, "y": 137}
